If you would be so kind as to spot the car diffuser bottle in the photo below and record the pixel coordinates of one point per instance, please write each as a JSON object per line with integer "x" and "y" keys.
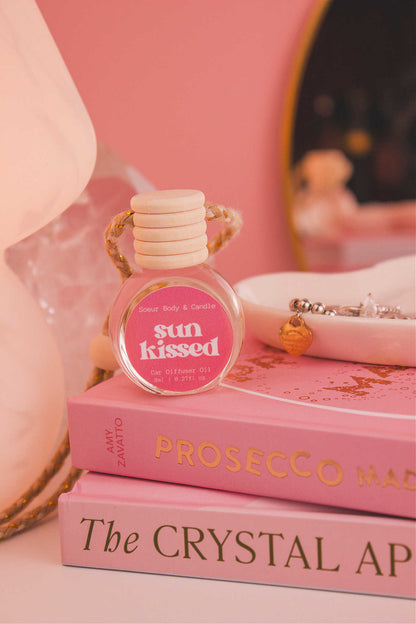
{"x": 176, "y": 326}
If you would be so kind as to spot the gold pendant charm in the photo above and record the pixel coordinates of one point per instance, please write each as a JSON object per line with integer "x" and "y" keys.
{"x": 295, "y": 335}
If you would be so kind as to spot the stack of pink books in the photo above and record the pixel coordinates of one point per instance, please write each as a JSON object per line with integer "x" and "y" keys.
{"x": 294, "y": 471}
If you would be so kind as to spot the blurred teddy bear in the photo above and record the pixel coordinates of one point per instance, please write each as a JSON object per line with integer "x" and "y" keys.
{"x": 323, "y": 206}
{"x": 326, "y": 210}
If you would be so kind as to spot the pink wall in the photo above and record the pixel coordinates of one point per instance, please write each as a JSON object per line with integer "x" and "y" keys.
{"x": 191, "y": 93}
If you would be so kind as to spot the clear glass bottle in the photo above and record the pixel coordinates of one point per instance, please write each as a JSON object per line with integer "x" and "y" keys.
{"x": 176, "y": 326}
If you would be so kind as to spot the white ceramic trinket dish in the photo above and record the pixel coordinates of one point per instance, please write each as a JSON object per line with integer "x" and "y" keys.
{"x": 385, "y": 341}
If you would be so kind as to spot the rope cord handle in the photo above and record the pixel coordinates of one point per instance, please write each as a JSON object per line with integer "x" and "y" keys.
{"x": 214, "y": 212}
{"x": 12, "y": 520}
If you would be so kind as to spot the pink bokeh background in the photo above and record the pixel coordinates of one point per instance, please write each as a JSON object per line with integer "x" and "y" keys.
{"x": 191, "y": 93}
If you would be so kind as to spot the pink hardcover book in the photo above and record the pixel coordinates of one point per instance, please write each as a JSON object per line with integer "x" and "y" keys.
{"x": 306, "y": 429}
{"x": 130, "y": 524}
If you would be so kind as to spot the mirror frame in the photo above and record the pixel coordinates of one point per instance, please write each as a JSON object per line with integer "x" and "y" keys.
{"x": 304, "y": 46}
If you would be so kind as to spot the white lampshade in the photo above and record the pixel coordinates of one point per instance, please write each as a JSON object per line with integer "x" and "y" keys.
{"x": 47, "y": 153}
{"x": 47, "y": 147}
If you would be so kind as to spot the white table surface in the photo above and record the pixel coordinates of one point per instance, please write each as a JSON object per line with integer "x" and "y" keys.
{"x": 35, "y": 587}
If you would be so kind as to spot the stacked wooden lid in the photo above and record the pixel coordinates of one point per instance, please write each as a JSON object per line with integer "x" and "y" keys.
{"x": 169, "y": 229}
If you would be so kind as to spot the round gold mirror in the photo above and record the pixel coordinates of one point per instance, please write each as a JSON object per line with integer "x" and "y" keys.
{"x": 351, "y": 136}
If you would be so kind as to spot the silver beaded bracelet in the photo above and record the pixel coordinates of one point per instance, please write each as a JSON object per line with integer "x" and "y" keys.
{"x": 296, "y": 336}
{"x": 368, "y": 308}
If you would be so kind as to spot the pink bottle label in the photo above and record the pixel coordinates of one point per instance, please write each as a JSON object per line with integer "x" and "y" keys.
{"x": 179, "y": 338}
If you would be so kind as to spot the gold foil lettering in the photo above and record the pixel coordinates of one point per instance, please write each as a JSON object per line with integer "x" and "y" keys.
{"x": 192, "y": 542}
{"x": 156, "y": 540}
{"x": 184, "y": 448}
{"x": 271, "y": 545}
{"x": 245, "y": 546}
{"x": 253, "y": 460}
{"x": 368, "y": 478}
{"x": 269, "y": 465}
{"x": 209, "y": 464}
{"x": 90, "y": 529}
{"x": 110, "y": 536}
{"x": 393, "y": 559}
{"x": 219, "y": 544}
{"x": 390, "y": 480}
{"x": 301, "y": 555}
{"x": 163, "y": 445}
{"x": 234, "y": 459}
{"x": 407, "y": 475}
{"x": 292, "y": 461}
{"x": 373, "y": 560}
{"x": 319, "y": 541}
{"x": 320, "y": 469}
{"x": 131, "y": 539}
{"x": 237, "y": 465}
